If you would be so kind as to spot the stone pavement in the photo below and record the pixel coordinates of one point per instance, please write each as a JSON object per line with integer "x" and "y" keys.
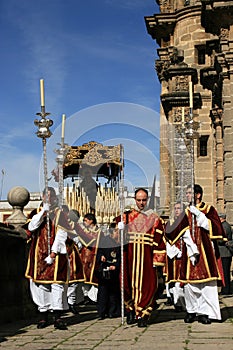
{"x": 166, "y": 331}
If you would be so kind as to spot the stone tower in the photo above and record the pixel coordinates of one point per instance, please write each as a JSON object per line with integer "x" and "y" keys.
{"x": 195, "y": 39}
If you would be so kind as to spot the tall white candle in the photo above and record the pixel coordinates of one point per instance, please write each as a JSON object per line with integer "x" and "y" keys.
{"x": 63, "y": 126}
{"x": 42, "y": 92}
{"x": 190, "y": 94}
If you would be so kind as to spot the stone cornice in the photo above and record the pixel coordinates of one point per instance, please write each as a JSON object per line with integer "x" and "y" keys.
{"x": 162, "y": 25}
{"x": 216, "y": 15}
{"x": 179, "y": 98}
{"x": 180, "y": 70}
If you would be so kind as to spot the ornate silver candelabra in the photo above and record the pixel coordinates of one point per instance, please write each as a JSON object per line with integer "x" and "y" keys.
{"x": 191, "y": 134}
{"x": 44, "y": 133}
{"x": 61, "y": 154}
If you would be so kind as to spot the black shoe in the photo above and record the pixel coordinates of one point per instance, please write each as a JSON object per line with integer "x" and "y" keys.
{"x": 204, "y": 319}
{"x": 42, "y": 324}
{"x": 168, "y": 302}
{"x": 130, "y": 318}
{"x": 142, "y": 322}
{"x": 101, "y": 317}
{"x": 223, "y": 294}
{"x": 73, "y": 309}
{"x": 178, "y": 308}
{"x": 88, "y": 301}
{"x": 189, "y": 318}
{"x": 59, "y": 324}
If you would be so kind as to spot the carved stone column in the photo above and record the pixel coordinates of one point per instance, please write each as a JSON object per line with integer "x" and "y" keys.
{"x": 225, "y": 60}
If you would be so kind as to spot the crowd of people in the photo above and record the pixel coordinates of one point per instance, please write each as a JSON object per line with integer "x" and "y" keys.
{"x": 72, "y": 262}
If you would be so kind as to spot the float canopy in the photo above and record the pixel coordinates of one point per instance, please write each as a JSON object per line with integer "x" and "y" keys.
{"x": 94, "y": 158}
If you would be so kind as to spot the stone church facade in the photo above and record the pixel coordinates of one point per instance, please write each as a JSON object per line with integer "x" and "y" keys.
{"x": 195, "y": 69}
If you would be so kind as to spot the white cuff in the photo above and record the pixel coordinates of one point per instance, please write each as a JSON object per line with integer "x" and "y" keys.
{"x": 202, "y": 221}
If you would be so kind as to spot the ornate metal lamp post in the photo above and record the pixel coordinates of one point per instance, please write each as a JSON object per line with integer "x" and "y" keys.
{"x": 43, "y": 132}
{"x": 182, "y": 149}
{"x": 122, "y": 205}
{"x": 191, "y": 134}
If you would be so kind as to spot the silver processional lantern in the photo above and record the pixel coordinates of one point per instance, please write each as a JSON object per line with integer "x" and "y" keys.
{"x": 61, "y": 154}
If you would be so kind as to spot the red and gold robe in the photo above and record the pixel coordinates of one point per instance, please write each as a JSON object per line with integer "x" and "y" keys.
{"x": 144, "y": 250}
{"x": 37, "y": 269}
{"x": 208, "y": 267}
{"x": 172, "y": 267}
{"x": 76, "y": 273}
{"x": 90, "y": 239}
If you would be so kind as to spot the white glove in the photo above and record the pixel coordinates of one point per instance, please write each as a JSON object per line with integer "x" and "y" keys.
{"x": 77, "y": 242}
{"x": 45, "y": 207}
{"x": 49, "y": 260}
{"x": 193, "y": 260}
{"x": 202, "y": 220}
{"x": 194, "y": 210}
{"x": 59, "y": 244}
{"x": 179, "y": 254}
{"x": 36, "y": 220}
{"x": 121, "y": 225}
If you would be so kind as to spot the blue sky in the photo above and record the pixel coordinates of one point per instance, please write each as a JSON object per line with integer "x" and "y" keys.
{"x": 97, "y": 61}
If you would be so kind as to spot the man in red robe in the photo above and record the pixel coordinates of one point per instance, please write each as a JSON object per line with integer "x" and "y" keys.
{"x": 144, "y": 250}
{"x": 175, "y": 293}
{"x": 200, "y": 269}
{"x": 89, "y": 235}
{"x": 76, "y": 273}
{"x": 47, "y": 267}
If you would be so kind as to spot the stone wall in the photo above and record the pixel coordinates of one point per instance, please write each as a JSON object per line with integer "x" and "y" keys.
{"x": 198, "y": 33}
{"x": 15, "y": 300}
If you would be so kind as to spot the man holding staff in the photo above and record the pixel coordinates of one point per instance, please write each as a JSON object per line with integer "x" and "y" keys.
{"x": 200, "y": 268}
{"x": 48, "y": 270}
